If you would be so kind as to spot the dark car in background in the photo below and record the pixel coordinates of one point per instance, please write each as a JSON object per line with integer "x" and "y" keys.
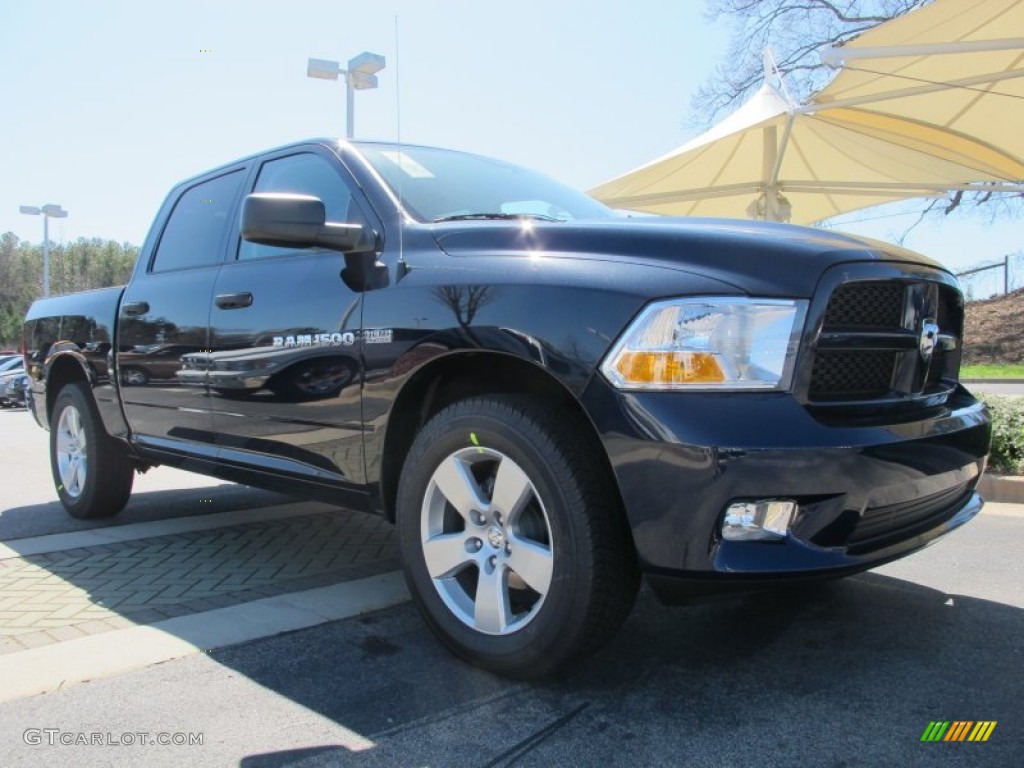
{"x": 13, "y": 382}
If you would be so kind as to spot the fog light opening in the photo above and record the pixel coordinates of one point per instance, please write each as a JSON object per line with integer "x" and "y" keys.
{"x": 758, "y": 520}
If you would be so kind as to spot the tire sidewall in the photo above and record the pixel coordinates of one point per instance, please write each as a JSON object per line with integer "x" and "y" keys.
{"x": 562, "y": 609}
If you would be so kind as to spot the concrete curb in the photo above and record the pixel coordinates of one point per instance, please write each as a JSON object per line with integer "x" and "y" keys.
{"x": 1002, "y": 488}
{"x": 992, "y": 381}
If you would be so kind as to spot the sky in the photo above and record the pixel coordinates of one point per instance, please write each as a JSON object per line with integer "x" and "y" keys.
{"x": 108, "y": 104}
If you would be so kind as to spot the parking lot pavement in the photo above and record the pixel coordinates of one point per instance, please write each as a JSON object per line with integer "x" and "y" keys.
{"x": 845, "y": 674}
{"x": 192, "y": 564}
{"x": 247, "y": 606}
{"x": 54, "y": 596}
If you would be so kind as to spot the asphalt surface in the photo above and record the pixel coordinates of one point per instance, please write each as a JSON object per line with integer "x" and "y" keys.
{"x": 844, "y": 674}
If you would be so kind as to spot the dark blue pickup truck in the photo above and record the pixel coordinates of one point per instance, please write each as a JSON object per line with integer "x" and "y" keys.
{"x": 548, "y": 398}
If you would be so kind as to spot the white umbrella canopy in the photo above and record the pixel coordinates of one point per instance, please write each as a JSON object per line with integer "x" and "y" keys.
{"x": 771, "y": 160}
{"x": 776, "y": 160}
{"x": 958, "y": 64}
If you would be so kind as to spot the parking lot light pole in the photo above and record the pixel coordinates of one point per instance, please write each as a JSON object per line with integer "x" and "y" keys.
{"x": 48, "y": 211}
{"x": 361, "y": 75}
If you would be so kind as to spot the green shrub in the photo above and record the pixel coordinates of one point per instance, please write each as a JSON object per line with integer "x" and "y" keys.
{"x": 1007, "y": 434}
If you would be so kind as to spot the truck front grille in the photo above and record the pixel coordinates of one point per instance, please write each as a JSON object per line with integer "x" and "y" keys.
{"x": 870, "y": 344}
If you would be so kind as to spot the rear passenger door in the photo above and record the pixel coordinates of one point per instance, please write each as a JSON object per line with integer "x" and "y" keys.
{"x": 165, "y": 312}
{"x": 285, "y": 371}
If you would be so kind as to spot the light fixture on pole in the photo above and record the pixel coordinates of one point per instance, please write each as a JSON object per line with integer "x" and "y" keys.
{"x": 361, "y": 75}
{"x": 48, "y": 211}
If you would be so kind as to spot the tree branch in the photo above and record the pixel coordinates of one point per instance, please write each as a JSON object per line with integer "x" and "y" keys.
{"x": 848, "y": 19}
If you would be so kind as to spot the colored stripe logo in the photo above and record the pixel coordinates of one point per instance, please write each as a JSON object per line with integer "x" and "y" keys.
{"x": 958, "y": 730}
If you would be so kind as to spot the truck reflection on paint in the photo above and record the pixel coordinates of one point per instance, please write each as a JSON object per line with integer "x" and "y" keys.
{"x": 292, "y": 373}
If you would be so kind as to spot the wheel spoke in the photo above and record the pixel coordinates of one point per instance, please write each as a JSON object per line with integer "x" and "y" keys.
{"x": 458, "y": 486}
{"x": 533, "y": 563}
{"x": 512, "y": 490}
{"x": 445, "y": 554}
{"x": 492, "y": 607}
{"x": 73, "y": 483}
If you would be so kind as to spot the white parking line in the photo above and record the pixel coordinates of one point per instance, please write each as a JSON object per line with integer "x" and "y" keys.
{"x": 40, "y": 670}
{"x": 58, "y": 542}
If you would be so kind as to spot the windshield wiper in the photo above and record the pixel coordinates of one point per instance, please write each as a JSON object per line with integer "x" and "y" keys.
{"x": 495, "y": 216}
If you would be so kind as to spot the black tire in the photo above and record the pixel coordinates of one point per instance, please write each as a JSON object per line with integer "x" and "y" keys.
{"x": 571, "y": 512}
{"x": 103, "y": 481}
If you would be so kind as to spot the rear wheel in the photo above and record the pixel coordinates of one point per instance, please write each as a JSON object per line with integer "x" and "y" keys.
{"x": 515, "y": 551}
{"x": 92, "y": 472}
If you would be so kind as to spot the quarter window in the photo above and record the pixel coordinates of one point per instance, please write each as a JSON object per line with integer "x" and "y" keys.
{"x": 194, "y": 235}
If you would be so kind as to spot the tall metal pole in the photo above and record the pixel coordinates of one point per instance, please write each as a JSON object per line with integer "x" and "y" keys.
{"x": 350, "y": 107}
{"x": 46, "y": 255}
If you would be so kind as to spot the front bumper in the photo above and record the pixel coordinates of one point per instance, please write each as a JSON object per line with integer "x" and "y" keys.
{"x": 869, "y": 489}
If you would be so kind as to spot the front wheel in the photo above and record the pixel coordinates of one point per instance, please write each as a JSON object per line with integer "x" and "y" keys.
{"x": 515, "y": 549}
{"x": 92, "y": 472}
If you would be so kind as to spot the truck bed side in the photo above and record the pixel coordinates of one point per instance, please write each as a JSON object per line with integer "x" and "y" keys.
{"x": 71, "y": 338}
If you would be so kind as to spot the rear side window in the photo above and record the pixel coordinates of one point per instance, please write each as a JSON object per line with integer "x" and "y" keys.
{"x": 194, "y": 234}
{"x": 306, "y": 174}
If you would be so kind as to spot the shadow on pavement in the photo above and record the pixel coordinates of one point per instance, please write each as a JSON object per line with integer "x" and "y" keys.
{"x": 840, "y": 674}
{"x": 43, "y": 519}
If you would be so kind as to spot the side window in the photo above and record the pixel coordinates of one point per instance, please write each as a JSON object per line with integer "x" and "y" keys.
{"x": 195, "y": 231}
{"x": 305, "y": 174}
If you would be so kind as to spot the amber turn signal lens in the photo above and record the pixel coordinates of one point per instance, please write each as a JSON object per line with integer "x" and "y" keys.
{"x": 669, "y": 368}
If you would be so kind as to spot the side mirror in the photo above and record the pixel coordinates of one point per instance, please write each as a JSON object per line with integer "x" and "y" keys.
{"x": 299, "y": 221}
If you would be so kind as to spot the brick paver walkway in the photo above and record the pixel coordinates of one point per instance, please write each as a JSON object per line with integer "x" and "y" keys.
{"x": 63, "y": 595}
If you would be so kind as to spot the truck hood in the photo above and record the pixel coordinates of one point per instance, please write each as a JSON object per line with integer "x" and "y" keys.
{"x": 756, "y": 257}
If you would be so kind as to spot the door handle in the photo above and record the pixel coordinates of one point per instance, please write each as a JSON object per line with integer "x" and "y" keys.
{"x": 133, "y": 308}
{"x": 233, "y": 300}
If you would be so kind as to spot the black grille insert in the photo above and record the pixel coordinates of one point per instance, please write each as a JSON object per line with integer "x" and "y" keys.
{"x": 866, "y": 305}
{"x": 858, "y": 374}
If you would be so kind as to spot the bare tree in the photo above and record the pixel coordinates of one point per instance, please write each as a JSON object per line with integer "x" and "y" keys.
{"x": 797, "y": 31}
{"x": 464, "y": 300}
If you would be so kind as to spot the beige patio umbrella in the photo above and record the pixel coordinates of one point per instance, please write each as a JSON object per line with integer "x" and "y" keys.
{"x": 777, "y": 160}
{"x": 957, "y": 64}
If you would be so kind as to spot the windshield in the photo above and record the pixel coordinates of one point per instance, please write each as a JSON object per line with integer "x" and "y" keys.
{"x": 439, "y": 185}
{"x": 14, "y": 362}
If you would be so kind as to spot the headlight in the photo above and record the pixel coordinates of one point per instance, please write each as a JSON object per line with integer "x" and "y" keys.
{"x": 709, "y": 343}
